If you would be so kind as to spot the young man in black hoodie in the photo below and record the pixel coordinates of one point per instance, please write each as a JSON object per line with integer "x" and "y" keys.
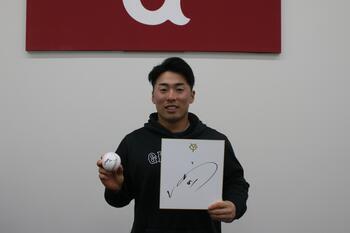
{"x": 139, "y": 176}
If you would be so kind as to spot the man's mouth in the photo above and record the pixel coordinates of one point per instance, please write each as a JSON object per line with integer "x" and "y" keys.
{"x": 171, "y": 107}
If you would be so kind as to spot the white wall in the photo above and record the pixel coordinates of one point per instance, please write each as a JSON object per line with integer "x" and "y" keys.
{"x": 287, "y": 116}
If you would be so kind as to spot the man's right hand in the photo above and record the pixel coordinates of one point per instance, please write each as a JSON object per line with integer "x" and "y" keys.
{"x": 111, "y": 180}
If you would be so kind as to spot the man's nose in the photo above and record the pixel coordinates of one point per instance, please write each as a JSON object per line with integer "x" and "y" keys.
{"x": 171, "y": 95}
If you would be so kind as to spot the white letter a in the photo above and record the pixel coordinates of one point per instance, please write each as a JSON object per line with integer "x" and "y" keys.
{"x": 170, "y": 10}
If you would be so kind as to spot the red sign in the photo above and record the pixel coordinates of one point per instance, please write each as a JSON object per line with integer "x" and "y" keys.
{"x": 154, "y": 25}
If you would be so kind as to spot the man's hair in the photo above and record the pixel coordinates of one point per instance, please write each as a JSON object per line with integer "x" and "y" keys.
{"x": 173, "y": 64}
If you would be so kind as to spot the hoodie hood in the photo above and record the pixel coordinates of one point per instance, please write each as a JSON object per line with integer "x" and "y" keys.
{"x": 195, "y": 129}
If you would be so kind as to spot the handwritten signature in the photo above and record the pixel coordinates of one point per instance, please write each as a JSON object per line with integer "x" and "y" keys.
{"x": 199, "y": 175}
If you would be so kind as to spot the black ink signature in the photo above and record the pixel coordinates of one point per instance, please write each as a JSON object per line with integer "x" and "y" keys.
{"x": 108, "y": 161}
{"x": 191, "y": 181}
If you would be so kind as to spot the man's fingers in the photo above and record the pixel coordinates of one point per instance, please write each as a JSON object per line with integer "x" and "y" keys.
{"x": 217, "y": 205}
{"x": 120, "y": 170}
{"x": 223, "y": 218}
{"x": 219, "y": 211}
{"x": 222, "y": 211}
{"x": 108, "y": 175}
{"x": 99, "y": 163}
{"x": 219, "y": 216}
{"x": 104, "y": 172}
{"x": 103, "y": 176}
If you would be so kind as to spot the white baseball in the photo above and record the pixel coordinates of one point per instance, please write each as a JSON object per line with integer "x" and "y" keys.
{"x": 110, "y": 161}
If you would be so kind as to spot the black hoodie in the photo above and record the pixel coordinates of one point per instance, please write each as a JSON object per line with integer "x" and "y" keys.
{"x": 140, "y": 155}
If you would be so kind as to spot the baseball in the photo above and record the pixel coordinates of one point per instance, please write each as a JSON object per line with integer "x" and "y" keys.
{"x": 110, "y": 161}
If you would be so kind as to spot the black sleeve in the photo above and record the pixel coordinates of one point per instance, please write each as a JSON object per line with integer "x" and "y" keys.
{"x": 235, "y": 187}
{"x": 125, "y": 195}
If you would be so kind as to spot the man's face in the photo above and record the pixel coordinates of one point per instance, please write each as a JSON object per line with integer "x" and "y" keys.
{"x": 172, "y": 96}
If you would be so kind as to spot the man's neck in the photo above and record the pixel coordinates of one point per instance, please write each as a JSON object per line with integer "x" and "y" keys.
{"x": 175, "y": 127}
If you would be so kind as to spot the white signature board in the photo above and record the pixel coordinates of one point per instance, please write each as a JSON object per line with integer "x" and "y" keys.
{"x": 191, "y": 173}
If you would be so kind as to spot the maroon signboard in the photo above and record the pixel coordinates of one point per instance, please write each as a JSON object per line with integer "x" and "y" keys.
{"x": 154, "y": 25}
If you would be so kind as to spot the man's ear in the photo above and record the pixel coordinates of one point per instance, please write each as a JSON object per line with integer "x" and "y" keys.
{"x": 193, "y": 93}
{"x": 152, "y": 96}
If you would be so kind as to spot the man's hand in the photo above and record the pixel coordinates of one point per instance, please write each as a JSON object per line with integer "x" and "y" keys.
{"x": 222, "y": 211}
{"x": 111, "y": 180}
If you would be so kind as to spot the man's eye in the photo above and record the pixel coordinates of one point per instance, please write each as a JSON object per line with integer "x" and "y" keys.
{"x": 179, "y": 89}
{"x": 163, "y": 90}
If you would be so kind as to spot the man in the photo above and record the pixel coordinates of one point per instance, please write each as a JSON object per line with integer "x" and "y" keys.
{"x": 139, "y": 176}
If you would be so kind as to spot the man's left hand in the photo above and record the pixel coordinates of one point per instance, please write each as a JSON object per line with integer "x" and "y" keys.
{"x": 222, "y": 211}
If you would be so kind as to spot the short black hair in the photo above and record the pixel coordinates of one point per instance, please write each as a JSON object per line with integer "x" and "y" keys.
{"x": 173, "y": 64}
